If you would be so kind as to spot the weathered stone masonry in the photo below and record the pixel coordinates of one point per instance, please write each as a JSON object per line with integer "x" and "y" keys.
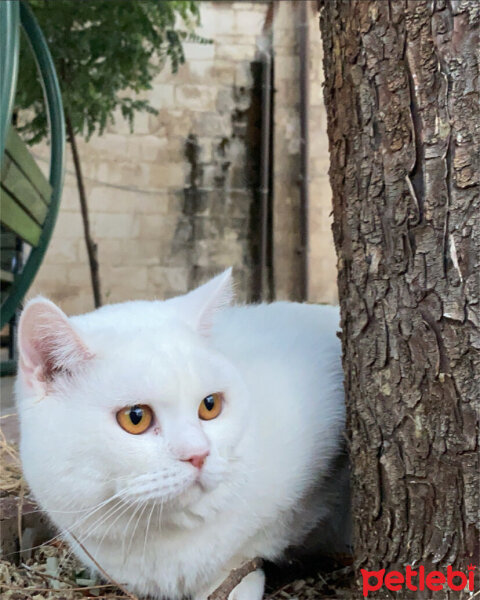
{"x": 177, "y": 200}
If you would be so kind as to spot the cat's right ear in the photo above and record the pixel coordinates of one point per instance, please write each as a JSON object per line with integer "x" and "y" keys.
{"x": 47, "y": 343}
{"x": 199, "y": 306}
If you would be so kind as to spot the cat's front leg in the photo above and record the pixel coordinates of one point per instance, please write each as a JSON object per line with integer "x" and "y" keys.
{"x": 250, "y": 588}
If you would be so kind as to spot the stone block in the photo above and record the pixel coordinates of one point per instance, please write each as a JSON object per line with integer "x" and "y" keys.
{"x": 180, "y": 255}
{"x": 195, "y": 97}
{"x": 225, "y": 101}
{"x": 122, "y": 292}
{"x": 70, "y": 201}
{"x": 316, "y": 93}
{"x": 162, "y": 96}
{"x": 184, "y": 233}
{"x": 287, "y": 67}
{"x": 113, "y": 200}
{"x": 79, "y": 275}
{"x": 106, "y": 146}
{"x": 114, "y": 225}
{"x": 75, "y": 300}
{"x": 238, "y": 229}
{"x": 285, "y": 40}
{"x": 62, "y": 250}
{"x": 197, "y": 51}
{"x": 171, "y": 123}
{"x": 256, "y": 5}
{"x": 319, "y": 222}
{"x": 155, "y": 227}
{"x": 166, "y": 175}
{"x": 111, "y": 252}
{"x": 212, "y": 124}
{"x": 176, "y": 201}
{"x": 286, "y": 51}
{"x": 238, "y": 204}
{"x": 196, "y": 71}
{"x": 152, "y": 203}
{"x": 321, "y": 194}
{"x": 208, "y": 228}
{"x": 115, "y": 172}
{"x": 82, "y": 250}
{"x": 125, "y": 278}
{"x": 122, "y": 126}
{"x": 320, "y": 166}
{"x": 196, "y": 202}
{"x": 69, "y": 224}
{"x": 287, "y": 92}
{"x": 215, "y": 17}
{"x": 235, "y": 52}
{"x": 50, "y": 276}
{"x": 243, "y": 74}
{"x": 248, "y": 21}
{"x": 148, "y": 148}
{"x": 236, "y": 39}
{"x": 176, "y": 279}
{"x": 223, "y": 72}
{"x": 285, "y": 16}
{"x": 156, "y": 126}
{"x": 144, "y": 251}
{"x": 318, "y": 118}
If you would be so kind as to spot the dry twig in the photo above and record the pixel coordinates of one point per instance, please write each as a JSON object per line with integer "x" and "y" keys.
{"x": 47, "y": 577}
{"x": 82, "y": 588}
{"x": 21, "y": 496}
{"x": 10, "y": 468}
{"x": 234, "y": 578}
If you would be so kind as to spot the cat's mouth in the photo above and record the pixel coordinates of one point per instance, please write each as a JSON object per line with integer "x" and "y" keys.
{"x": 173, "y": 486}
{"x": 166, "y": 486}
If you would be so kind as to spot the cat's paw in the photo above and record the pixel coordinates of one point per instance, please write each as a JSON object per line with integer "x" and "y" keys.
{"x": 250, "y": 588}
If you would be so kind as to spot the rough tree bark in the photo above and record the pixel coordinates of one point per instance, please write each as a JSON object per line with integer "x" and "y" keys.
{"x": 402, "y": 94}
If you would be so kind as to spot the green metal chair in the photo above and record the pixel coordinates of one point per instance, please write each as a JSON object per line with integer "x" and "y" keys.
{"x": 29, "y": 202}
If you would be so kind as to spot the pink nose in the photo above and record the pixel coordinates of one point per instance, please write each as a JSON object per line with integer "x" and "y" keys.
{"x": 197, "y": 460}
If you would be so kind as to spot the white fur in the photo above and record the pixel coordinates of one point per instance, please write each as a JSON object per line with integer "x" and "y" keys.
{"x": 269, "y": 480}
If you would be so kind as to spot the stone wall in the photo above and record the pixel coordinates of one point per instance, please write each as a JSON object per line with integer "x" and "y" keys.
{"x": 174, "y": 202}
{"x": 321, "y": 276}
{"x": 322, "y": 260}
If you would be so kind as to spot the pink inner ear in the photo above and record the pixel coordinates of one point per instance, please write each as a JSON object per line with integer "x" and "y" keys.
{"x": 48, "y": 343}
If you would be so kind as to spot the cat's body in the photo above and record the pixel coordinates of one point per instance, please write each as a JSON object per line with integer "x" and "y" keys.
{"x": 271, "y": 472}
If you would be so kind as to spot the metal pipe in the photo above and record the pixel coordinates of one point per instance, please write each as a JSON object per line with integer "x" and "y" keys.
{"x": 304, "y": 144}
{"x": 9, "y": 49}
{"x": 266, "y": 128}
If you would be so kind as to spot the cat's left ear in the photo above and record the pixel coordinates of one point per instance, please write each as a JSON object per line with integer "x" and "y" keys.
{"x": 48, "y": 344}
{"x": 199, "y": 306}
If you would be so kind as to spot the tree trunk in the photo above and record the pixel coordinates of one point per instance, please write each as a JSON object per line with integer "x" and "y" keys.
{"x": 91, "y": 245}
{"x": 402, "y": 97}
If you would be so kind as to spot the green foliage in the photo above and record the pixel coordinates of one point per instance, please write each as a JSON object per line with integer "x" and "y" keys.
{"x": 106, "y": 52}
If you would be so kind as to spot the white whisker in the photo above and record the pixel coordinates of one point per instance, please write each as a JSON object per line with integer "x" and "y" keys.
{"x": 124, "y": 554}
{"x": 146, "y": 532}
{"x": 139, "y": 518}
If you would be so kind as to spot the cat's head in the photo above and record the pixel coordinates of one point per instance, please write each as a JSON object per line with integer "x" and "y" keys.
{"x": 131, "y": 399}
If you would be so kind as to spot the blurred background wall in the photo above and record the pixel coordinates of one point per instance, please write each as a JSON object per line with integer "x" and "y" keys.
{"x": 176, "y": 201}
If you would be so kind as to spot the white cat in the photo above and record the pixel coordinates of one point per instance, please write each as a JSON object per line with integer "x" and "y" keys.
{"x": 178, "y": 439}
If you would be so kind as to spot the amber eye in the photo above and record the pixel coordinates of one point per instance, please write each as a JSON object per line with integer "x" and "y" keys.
{"x": 211, "y": 406}
{"x": 135, "y": 419}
